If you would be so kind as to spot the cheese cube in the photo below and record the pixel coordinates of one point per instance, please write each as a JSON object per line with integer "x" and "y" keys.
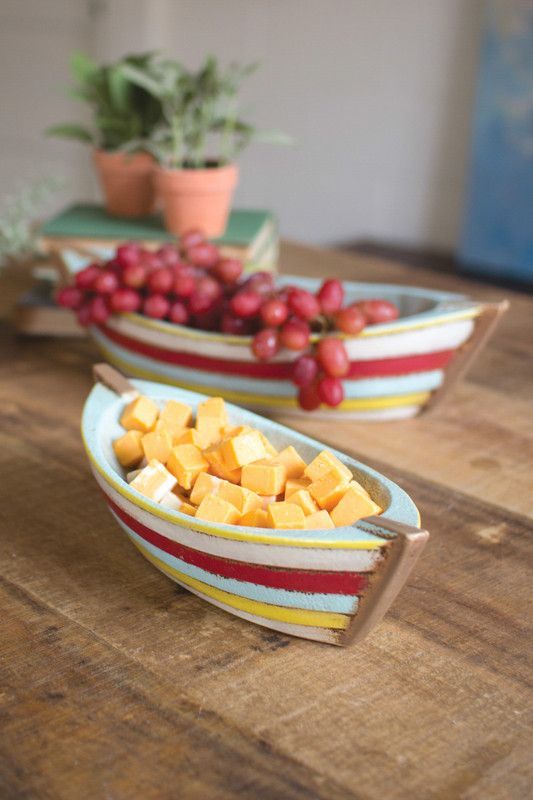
{"x": 234, "y": 430}
{"x": 303, "y": 499}
{"x": 292, "y": 462}
{"x": 157, "y": 444}
{"x": 285, "y": 516}
{"x": 353, "y": 505}
{"x": 131, "y": 475}
{"x": 319, "y": 520}
{"x": 242, "y": 498}
{"x": 293, "y": 484}
{"x": 192, "y": 436}
{"x": 267, "y": 499}
{"x": 242, "y": 449}
{"x": 204, "y": 484}
{"x": 128, "y": 448}
{"x": 175, "y": 414}
{"x": 186, "y": 462}
{"x": 255, "y": 519}
{"x": 270, "y": 450}
{"x": 211, "y": 419}
{"x": 171, "y": 500}
{"x": 215, "y": 509}
{"x": 326, "y": 462}
{"x": 328, "y": 490}
{"x": 217, "y": 466}
{"x": 189, "y": 509}
{"x": 154, "y": 481}
{"x": 264, "y": 478}
{"x": 139, "y": 415}
{"x": 174, "y": 431}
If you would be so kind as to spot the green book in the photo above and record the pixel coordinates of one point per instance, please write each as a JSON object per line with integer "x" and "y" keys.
{"x": 249, "y": 232}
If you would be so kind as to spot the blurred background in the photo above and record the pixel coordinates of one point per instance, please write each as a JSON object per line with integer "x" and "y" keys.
{"x": 379, "y": 95}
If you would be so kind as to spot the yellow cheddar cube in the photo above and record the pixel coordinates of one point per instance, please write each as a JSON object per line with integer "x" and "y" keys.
{"x": 192, "y": 436}
{"x": 176, "y": 415}
{"x": 174, "y": 431}
{"x": 303, "y": 499}
{"x": 285, "y": 516}
{"x": 140, "y": 415}
{"x": 128, "y": 448}
{"x": 215, "y": 509}
{"x": 157, "y": 444}
{"x": 326, "y": 462}
{"x": 354, "y": 504}
{"x": 213, "y": 408}
{"x": 234, "y": 430}
{"x": 264, "y": 478}
{"x": 242, "y": 449}
{"x": 186, "y": 462}
{"x": 293, "y": 484}
{"x": 270, "y": 450}
{"x": 292, "y": 462}
{"x": 217, "y": 466}
{"x": 154, "y": 481}
{"x": 242, "y": 498}
{"x": 328, "y": 490}
{"x": 255, "y": 519}
{"x": 189, "y": 509}
{"x": 204, "y": 484}
{"x": 267, "y": 499}
{"x": 209, "y": 430}
{"x": 318, "y": 521}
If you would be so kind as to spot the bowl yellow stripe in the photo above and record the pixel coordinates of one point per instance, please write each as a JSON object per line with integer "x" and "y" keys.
{"x": 297, "y": 616}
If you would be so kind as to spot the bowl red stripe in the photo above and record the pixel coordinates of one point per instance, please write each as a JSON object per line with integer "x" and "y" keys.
{"x": 350, "y": 583}
{"x": 358, "y": 369}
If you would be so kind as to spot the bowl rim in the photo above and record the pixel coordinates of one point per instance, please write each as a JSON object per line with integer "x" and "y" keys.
{"x": 449, "y": 306}
{"x": 401, "y": 507}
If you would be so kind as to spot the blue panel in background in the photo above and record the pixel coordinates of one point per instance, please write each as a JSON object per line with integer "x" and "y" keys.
{"x": 497, "y": 238}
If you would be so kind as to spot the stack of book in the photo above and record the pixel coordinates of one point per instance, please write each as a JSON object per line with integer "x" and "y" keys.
{"x": 85, "y": 232}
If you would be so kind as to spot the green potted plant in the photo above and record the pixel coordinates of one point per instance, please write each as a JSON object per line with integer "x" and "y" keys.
{"x": 198, "y": 140}
{"x": 124, "y": 116}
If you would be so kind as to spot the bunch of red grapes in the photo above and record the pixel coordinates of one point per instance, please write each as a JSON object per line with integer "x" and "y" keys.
{"x": 191, "y": 284}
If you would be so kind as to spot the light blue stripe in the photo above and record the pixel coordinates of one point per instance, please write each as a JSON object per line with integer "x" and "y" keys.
{"x": 344, "y": 604}
{"x": 364, "y": 387}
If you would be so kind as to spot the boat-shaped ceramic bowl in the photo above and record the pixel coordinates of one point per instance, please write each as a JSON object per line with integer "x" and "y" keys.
{"x": 328, "y": 585}
{"x": 397, "y": 369}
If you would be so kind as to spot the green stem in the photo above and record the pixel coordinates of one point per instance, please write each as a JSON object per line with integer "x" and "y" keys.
{"x": 177, "y": 143}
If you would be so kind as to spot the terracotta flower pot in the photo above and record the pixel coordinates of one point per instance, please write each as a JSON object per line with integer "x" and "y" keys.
{"x": 127, "y": 182}
{"x": 197, "y": 198}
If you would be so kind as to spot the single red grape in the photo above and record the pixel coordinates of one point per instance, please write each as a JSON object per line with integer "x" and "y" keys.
{"x": 128, "y": 254}
{"x": 70, "y": 297}
{"x": 262, "y": 282}
{"x": 200, "y": 302}
{"x": 106, "y": 282}
{"x": 331, "y": 296}
{"x": 169, "y": 255}
{"x": 308, "y": 398}
{"x": 150, "y": 260}
{"x": 84, "y": 314}
{"x": 86, "y": 277}
{"x": 305, "y": 370}
{"x": 125, "y": 300}
{"x": 178, "y": 313}
{"x": 274, "y": 312}
{"x": 161, "y": 280}
{"x": 295, "y": 334}
{"x": 184, "y": 284}
{"x": 332, "y": 356}
{"x": 238, "y": 326}
{"x": 134, "y": 276}
{"x": 99, "y": 310}
{"x": 330, "y": 391}
{"x": 210, "y": 287}
{"x": 350, "y": 320}
{"x": 245, "y": 303}
{"x": 304, "y": 304}
{"x": 156, "y": 306}
{"x": 265, "y": 344}
{"x": 191, "y": 238}
{"x": 204, "y": 254}
{"x": 229, "y": 270}
{"x": 376, "y": 311}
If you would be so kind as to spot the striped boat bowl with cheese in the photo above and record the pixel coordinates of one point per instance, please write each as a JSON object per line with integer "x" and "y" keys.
{"x": 327, "y": 585}
{"x": 396, "y": 369}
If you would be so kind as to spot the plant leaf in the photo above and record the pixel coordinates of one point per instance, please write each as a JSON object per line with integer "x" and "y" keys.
{"x": 70, "y": 131}
{"x": 119, "y": 86}
{"x": 83, "y": 68}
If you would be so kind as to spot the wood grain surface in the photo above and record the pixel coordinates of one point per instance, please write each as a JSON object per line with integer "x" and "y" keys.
{"x": 115, "y": 683}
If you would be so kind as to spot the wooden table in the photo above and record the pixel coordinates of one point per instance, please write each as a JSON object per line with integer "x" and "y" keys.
{"x": 117, "y": 684}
